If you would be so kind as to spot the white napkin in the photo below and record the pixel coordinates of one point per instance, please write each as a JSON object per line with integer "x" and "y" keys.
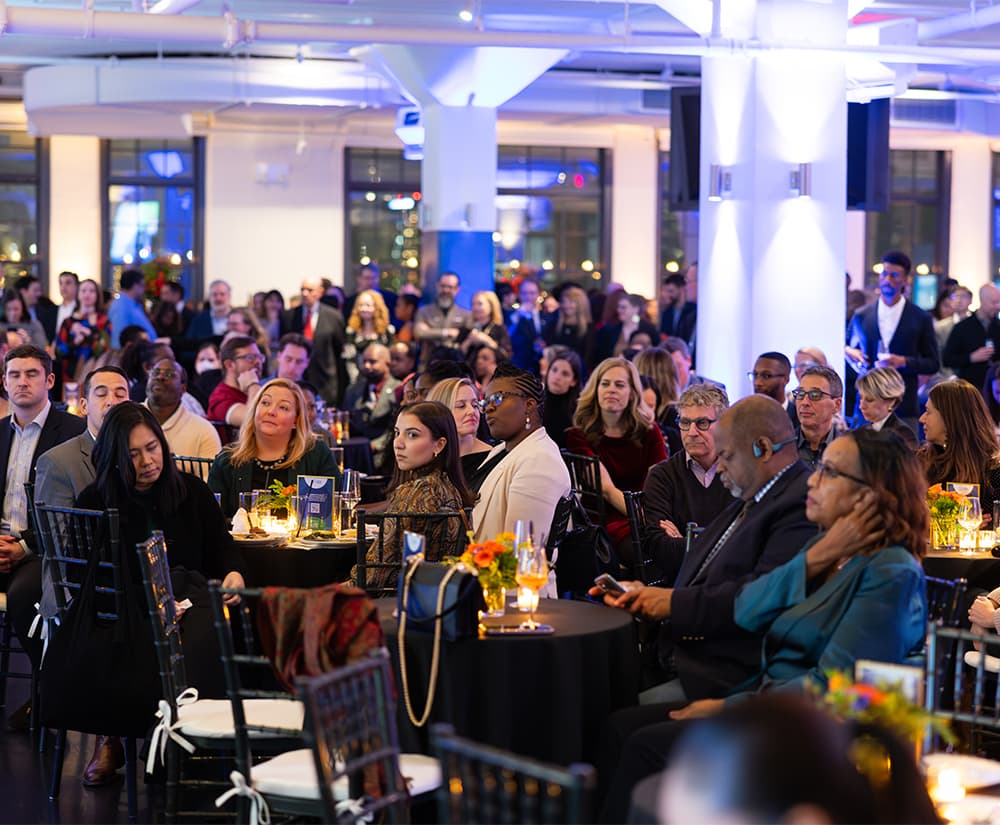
{"x": 241, "y": 522}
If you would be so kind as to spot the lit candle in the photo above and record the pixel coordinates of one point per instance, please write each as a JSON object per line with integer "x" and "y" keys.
{"x": 947, "y": 787}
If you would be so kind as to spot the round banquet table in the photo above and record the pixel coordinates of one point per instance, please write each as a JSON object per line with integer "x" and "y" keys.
{"x": 540, "y": 696}
{"x": 980, "y": 568}
{"x": 298, "y": 565}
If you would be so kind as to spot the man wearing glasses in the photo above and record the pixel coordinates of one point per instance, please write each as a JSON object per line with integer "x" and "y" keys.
{"x": 186, "y": 433}
{"x": 242, "y": 363}
{"x": 818, "y": 399}
{"x": 687, "y": 487}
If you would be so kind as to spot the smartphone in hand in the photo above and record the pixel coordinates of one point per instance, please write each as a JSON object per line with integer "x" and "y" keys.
{"x": 610, "y": 585}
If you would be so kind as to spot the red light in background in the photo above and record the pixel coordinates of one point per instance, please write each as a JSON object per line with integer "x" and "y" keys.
{"x": 578, "y": 180}
{"x": 416, "y": 196}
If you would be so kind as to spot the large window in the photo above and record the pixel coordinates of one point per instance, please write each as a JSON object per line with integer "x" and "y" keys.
{"x": 918, "y": 215}
{"x": 22, "y": 241}
{"x": 153, "y": 211}
{"x": 551, "y": 204}
{"x": 678, "y": 244}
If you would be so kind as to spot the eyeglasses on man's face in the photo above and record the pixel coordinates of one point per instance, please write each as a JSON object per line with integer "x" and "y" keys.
{"x": 496, "y": 399}
{"x": 813, "y": 395}
{"x": 702, "y": 424}
{"x": 825, "y": 470}
{"x": 250, "y": 356}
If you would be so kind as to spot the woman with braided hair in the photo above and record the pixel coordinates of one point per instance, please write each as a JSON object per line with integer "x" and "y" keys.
{"x": 527, "y": 476}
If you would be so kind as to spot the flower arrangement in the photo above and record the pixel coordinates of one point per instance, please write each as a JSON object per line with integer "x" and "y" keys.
{"x": 280, "y": 494}
{"x": 944, "y": 504}
{"x": 493, "y": 562}
{"x": 880, "y": 704}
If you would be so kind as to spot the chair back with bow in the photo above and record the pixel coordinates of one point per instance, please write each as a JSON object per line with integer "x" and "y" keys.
{"x": 585, "y": 477}
{"x": 353, "y": 735}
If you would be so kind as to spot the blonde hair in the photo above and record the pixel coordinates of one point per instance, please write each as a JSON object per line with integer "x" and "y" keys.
{"x": 579, "y": 297}
{"x": 882, "y": 382}
{"x": 381, "y": 319}
{"x": 658, "y": 364}
{"x": 446, "y": 392}
{"x": 302, "y": 439}
{"x": 496, "y": 315}
{"x": 260, "y": 337}
{"x": 588, "y": 412}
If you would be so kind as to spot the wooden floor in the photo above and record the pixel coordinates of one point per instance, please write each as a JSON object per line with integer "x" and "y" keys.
{"x": 24, "y": 779}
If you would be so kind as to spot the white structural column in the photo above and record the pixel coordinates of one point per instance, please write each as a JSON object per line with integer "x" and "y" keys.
{"x": 771, "y": 265}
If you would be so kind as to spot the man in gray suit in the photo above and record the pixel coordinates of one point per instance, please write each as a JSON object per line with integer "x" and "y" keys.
{"x": 62, "y": 472}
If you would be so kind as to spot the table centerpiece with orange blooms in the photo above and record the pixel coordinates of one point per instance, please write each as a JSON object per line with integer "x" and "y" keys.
{"x": 494, "y": 563}
{"x": 944, "y": 506}
{"x": 276, "y": 511}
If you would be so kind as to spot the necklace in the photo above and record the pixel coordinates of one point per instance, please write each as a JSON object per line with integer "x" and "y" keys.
{"x": 267, "y": 465}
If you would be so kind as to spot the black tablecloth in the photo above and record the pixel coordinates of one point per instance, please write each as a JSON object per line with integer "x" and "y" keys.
{"x": 982, "y": 570}
{"x": 357, "y": 454}
{"x": 540, "y": 696}
{"x": 297, "y": 567}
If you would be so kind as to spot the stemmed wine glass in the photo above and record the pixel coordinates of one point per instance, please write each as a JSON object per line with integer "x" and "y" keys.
{"x": 532, "y": 573}
{"x": 970, "y": 516}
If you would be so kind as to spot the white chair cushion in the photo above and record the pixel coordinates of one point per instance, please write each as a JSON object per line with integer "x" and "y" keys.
{"x": 422, "y": 773}
{"x": 290, "y": 774}
{"x": 293, "y": 774}
{"x": 213, "y": 718}
{"x": 992, "y": 664}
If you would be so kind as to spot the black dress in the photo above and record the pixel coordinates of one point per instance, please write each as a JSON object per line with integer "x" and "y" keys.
{"x": 557, "y": 416}
{"x": 470, "y": 463}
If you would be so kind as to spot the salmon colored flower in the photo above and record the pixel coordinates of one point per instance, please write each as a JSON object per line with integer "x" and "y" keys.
{"x": 484, "y": 556}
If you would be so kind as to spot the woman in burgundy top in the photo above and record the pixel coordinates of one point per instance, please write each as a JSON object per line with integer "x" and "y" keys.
{"x": 609, "y": 424}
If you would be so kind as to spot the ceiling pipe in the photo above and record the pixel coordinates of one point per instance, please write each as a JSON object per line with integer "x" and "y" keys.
{"x": 967, "y": 21}
{"x": 172, "y": 6}
{"x": 229, "y": 31}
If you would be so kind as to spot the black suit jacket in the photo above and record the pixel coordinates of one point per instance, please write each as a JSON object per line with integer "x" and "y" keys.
{"x": 59, "y": 427}
{"x": 714, "y": 656}
{"x": 684, "y": 328}
{"x": 914, "y": 339}
{"x": 326, "y": 370}
{"x": 967, "y": 335}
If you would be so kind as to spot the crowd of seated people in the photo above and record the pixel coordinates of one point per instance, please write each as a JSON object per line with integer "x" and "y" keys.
{"x": 810, "y": 532}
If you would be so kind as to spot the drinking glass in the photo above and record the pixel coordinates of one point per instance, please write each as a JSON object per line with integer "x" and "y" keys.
{"x": 970, "y": 516}
{"x": 248, "y": 501}
{"x": 351, "y": 483}
{"x": 338, "y": 456}
{"x": 346, "y": 503}
{"x": 532, "y": 573}
{"x": 345, "y": 425}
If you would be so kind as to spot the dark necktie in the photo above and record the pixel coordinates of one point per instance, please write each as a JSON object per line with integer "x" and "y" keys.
{"x": 740, "y": 516}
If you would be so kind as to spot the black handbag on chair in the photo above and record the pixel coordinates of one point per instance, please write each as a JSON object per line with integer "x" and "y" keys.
{"x": 584, "y": 552}
{"x": 100, "y": 673}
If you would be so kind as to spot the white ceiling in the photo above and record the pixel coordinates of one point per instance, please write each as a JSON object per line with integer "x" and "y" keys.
{"x": 615, "y": 50}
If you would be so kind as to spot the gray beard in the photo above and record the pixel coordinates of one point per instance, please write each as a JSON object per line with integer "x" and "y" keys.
{"x": 445, "y": 303}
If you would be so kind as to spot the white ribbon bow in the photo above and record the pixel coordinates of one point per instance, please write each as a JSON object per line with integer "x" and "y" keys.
{"x": 353, "y": 806}
{"x": 260, "y": 814}
{"x": 42, "y": 626}
{"x": 166, "y": 728}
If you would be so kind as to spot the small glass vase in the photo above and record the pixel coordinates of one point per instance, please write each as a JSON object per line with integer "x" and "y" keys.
{"x": 495, "y": 598}
{"x": 944, "y": 533}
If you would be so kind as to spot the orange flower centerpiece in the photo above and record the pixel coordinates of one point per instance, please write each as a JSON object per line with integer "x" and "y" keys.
{"x": 495, "y": 565}
{"x": 278, "y": 508}
{"x": 944, "y": 506}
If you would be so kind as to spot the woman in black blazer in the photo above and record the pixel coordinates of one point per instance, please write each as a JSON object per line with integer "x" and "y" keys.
{"x": 880, "y": 391}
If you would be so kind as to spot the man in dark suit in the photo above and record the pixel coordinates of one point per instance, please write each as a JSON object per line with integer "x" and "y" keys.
{"x": 324, "y": 326}
{"x": 40, "y": 308}
{"x": 972, "y": 345}
{"x": 172, "y": 292}
{"x": 678, "y": 316}
{"x": 32, "y": 428}
{"x": 371, "y": 401}
{"x": 760, "y": 531}
{"x": 526, "y": 328}
{"x": 892, "y": 332}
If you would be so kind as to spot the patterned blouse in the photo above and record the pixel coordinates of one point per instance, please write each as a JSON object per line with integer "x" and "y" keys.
{"x": 420, "y": 493}
{"x": 93, "y": 344}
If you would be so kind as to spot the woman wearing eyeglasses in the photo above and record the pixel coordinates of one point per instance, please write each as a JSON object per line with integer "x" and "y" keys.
{"x": 609, "y": 424}
{"x": 855, "y": 591}
{"x": 276, "y": 443}
{"x": 961, "y": 442}
{"x": 525, "y": 474}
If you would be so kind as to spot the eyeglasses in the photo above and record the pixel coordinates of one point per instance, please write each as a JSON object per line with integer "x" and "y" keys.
{"x": 496, "y": 399}
{"x": 812, "y": 395}
{"x": 251, "y": 356}
{"x": 765, "y": 376}
{"x": 168, "y": 374}
{"x": 824, "y": 469}
{"x": 701, "y": 423}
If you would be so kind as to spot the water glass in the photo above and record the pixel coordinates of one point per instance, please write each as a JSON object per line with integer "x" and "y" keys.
{"x": 347, "y": 503}
{"x": 351, "y": 483}
{"x": 248, "y": 501}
